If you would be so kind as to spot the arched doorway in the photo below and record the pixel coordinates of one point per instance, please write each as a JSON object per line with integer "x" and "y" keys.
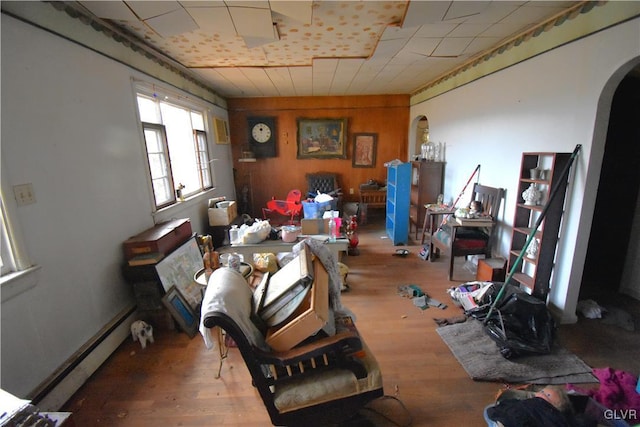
{"x": 612, "y": 260}
{"x": 419, "y": 126}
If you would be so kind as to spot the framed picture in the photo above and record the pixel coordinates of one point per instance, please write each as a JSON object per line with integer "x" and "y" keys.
{"x": 179, "y": 268}
{"x": 364, "y": 150}
{"x": 322, "y": 138}
{"x": 181, "y": 311}
{"x": 222, "y": 130}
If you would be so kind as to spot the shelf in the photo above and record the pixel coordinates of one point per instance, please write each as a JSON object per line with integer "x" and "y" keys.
{"x": 398, "y": 194}
{"x": 524, "y": 279}
{"x": 535, "y": 273}
{"x": 527, "y": 230}
{"x": 516, "y": 253}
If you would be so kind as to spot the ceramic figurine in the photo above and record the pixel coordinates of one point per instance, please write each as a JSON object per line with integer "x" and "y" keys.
{"x": 531, "y": 195}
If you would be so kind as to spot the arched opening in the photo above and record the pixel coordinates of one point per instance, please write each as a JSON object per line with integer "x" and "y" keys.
{"x": 612, "y": 264}
{"x": 420, "y": 126}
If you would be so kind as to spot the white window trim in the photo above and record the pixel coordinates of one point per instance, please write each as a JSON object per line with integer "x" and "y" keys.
{"x": 147, "y": 88}
{"x": 21, "y": 261}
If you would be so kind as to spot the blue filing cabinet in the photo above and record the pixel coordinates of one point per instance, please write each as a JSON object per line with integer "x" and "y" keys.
{"x": 398, "y": 190}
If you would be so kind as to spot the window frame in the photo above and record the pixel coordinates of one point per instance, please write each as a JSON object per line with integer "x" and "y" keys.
{"x": 167, "y": 159}
{"x": 203, "y": 161}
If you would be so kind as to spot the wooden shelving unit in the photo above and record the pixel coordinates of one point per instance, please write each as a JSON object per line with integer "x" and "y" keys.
{"x": 397, "y": 215}
{"x": 426, "y": 184}
{"x": 534, "y": 271}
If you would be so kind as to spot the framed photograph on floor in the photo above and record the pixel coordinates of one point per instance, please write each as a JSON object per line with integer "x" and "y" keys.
{"x": 181, "y": 311}
{"x": 322, "y": 138}
{"x": 364, "y": 150}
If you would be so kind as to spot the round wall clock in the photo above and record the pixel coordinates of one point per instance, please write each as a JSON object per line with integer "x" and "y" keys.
{"x": 262, "y": 136}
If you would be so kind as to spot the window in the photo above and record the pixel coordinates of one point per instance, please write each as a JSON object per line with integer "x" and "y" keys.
{"x": 7, "y": 260}
{"x": 176, "y": 142}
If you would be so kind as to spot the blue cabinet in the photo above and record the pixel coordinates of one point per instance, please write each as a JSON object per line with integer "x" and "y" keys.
{"x": 398, "y": 190}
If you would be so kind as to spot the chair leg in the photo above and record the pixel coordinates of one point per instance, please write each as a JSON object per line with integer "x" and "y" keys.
{"x": 451, "y": 260}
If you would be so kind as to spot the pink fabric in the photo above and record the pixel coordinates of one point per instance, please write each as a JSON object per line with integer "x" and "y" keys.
{"x": 617, "y": 391}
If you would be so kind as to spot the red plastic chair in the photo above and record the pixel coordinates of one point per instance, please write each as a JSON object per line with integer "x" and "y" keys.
{"x": 291, "y": 207}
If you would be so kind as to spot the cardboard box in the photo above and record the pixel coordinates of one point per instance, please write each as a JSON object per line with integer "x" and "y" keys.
{"x": 223, "y": 216}
{"x": 162, "y": 238}
{"x": 315, "y": 226}
{"x": 308, "y": 318}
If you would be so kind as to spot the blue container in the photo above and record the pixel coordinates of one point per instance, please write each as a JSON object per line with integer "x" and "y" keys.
{"x": 313, "y": 210}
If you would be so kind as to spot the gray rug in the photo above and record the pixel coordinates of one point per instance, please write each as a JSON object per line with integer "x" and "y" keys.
{"x": 480, "y": 357}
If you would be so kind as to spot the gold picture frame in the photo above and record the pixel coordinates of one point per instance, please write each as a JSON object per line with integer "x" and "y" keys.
{"x": 322, "y": 138}
{"x": 222, "y": 130}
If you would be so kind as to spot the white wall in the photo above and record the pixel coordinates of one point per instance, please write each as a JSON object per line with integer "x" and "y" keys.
{"x": 69, "y": 127}
{"x": 547, "y": 103}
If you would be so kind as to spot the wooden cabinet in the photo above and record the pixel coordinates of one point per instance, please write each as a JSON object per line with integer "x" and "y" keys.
{"x": 426, "y": 184}
{"x": 534, "y": 271}
{"x": 397, "y": 215}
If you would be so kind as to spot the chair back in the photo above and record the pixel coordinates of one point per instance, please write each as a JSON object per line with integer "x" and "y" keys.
{"x": 489, "y": 197}
{"x": 323, "y": 182}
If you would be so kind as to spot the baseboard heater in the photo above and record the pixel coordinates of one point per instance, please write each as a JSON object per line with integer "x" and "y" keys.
{"x": 58, "y": 388}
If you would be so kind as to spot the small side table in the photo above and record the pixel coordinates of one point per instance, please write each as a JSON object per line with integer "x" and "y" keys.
{"x": 433, "y": 213}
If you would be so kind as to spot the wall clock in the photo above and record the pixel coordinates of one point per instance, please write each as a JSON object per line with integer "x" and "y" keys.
{"x": 262, "y": 136}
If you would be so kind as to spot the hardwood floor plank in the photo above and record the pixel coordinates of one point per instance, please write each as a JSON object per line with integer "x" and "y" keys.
{"x": 172, "y": 382}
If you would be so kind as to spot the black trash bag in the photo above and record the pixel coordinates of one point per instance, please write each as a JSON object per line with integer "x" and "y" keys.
{"x": 520, "y": 324}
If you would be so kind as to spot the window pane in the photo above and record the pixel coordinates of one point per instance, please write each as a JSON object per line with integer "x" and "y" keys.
{"x": 184, "y": 164}
{"x": 157, "y": 166}
{"x": 197, "y": 120}
{"x": 153, "y": 139}
{"x": 162, "y": 191}
{"x": 148, "y": 109}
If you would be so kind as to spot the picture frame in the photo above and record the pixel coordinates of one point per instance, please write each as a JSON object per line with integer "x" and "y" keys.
{"x": 322, "y": 138}
{"x": 181, "y": 311}
{"x": 364, "y": 150}
{"x": 179, "y": 268}
{"x": 222, "y": 130}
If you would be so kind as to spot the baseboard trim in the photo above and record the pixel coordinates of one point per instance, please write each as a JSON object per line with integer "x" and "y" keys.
{"x": 58, "y": 388}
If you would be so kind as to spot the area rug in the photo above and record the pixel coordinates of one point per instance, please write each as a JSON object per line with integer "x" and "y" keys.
{"x": 480, "y": 357}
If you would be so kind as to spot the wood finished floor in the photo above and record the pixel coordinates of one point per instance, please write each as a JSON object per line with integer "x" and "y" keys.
{"x": 171, "y": 383}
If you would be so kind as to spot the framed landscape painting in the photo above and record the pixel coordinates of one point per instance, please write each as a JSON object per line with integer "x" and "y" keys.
{"x": 322, "y": 138}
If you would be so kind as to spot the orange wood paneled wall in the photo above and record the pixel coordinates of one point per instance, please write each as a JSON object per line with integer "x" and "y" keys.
{"x": 387, "y": 116}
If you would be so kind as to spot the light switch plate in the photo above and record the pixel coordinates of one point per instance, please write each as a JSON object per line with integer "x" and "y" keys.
{"x": 24, "y": 194}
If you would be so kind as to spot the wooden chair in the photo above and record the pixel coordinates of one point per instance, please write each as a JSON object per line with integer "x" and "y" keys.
{"x": 371, "y": 199}
{"x": 459, "y": 240}
{"x": 317, "y": 383}
{"x": 327, "y": 183}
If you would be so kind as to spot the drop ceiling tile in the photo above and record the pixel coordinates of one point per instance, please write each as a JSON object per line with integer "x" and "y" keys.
{"x": 495, "y": 12}
{"x": 252, "y": 22}
{"x": 452, "y": 46}
{"x": 149, "y": 9}
{"x": 425, "y": 12}
{"x": 116, "y": 10}
{"x": 468, "y": 30}
{"x": 422, "y": 45}
{"x": 465, "y": 9}
{"x": 481, "y": 43}
{"x": 438, "y": 29}
{"x": 298, "y": 10}
{"x": 172, "y": 23}
{"x": 213, "y": 21}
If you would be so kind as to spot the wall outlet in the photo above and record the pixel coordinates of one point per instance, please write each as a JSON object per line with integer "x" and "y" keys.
{"x": 351, "y": 191}
{"x": 24, "y": 194}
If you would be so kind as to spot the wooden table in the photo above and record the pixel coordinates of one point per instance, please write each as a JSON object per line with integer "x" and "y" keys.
{"x": 277, "y": 246}
{"x": 430, "y": 217}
